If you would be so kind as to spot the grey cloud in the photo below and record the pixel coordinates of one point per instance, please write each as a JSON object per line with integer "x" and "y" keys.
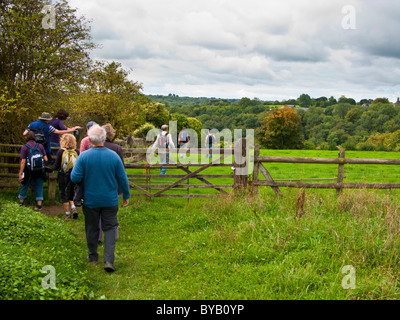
{"x": 276, "y": 45}
{"x": 102, "y": 33}
{"x": 295, "y": 52}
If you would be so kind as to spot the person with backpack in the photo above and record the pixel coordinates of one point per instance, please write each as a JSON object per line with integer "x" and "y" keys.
{"x": 42, "y": 130}
{"x": 163, "y": 141}
{"x": 31, "y": 171}
{"x": 183, "y": 141}
{"x": 210, "y": 139}
{"x": 65, "y": 161}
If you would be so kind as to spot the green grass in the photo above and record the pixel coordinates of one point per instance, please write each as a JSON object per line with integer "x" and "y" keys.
{"x": 255, "y": 249}
{"x": 250, "y": 247}
{"x": 353, "y": 173}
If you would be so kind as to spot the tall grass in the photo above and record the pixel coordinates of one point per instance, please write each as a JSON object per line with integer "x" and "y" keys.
{"x": 257, "y": 248}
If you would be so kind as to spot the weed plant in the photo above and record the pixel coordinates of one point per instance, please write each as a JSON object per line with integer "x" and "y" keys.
{"x": 30, "y": 241}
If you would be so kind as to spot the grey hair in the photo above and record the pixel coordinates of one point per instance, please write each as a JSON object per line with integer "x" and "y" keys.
{"x": 164, "y": 127}
{"x": 97, "y": 134}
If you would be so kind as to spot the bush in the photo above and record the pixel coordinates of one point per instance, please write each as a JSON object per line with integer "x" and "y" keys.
{"x": 143, "y": 130}
{"x": 327, "y": 146}
{"x": 381, "y": 147}
{"x": 349, "y": 145}
{"x": 365, "y": 146}
{"x": 308, "y": 145}
{"x": 29, "y": 241}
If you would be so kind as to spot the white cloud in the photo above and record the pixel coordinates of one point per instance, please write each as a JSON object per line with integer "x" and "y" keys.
{"x": 276, "y": 48}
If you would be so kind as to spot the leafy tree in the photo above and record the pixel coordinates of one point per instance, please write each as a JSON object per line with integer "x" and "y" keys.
{"x": 341, "y": 110}
{"x": 142, "y": 131}
{"x": 365, "y": 101}
{"x": 195, "y": 125}
{"x": 380, "y": 100}
{"x": 343, "y": 99}
{"x": 281, "y": 129}
{"x": 156, "y": 113}
{"x": 182, "y": 121}
{"x": 38, "y": 64}
{"x": 352, "y": 115}
{"x": 321, "y": 102}
{"x": 46, "y": 55}
{"x": 304, "y": 100}
{"x": 109, "y": 96}
{"x": 332, "y": 100}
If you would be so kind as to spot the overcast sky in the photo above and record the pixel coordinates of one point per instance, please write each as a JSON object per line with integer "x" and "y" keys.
{"x": 271, "y": 50}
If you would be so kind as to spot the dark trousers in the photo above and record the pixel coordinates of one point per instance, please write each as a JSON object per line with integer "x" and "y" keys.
{"x": 109, "y": 223}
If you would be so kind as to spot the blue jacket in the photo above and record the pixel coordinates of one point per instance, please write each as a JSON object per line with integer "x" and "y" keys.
{"x": 101, "y": 171}
{"x": 37, "y": 125}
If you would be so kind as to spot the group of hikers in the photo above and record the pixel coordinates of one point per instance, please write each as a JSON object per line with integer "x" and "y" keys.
{"x": 92, "y": 176}
{"x": 164, "y": 140}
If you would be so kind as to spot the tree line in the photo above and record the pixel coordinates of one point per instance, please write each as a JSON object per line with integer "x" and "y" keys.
{"x": 303, "y": 123}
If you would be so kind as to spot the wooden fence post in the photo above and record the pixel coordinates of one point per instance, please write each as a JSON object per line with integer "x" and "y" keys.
{"x": 241, "y": 174}
{"x": 52, "y": 181}
{"x": 256, "y": 168}
{"x": 340, "y": 170}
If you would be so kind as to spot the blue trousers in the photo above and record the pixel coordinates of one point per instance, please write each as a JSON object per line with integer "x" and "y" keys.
{"x": 210, "y": 151}
{"x": 164, "y": 158}
{"x": 37, "y": 184}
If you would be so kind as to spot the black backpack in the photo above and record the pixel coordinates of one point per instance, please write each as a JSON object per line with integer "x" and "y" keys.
{"x": 210, "y": 139}
{"x": 39, "y": 134}
{"x": 35, "y": 159}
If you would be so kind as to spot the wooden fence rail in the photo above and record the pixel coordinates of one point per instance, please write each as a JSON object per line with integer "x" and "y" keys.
{"x": 153, "y": 185}
{"x": 339, "y": 185}
{"x": 145, "y": 183}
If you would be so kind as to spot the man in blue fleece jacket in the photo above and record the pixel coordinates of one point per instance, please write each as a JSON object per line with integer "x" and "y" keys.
{"x": 101, "y": 171}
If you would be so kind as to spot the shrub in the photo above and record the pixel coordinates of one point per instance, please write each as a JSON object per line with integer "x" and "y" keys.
{"x": 29, "y": 241}
{"x": 349, "y": 145}
{"x": 365, "y": 146}
{"x": 327, "y": 146}
{"x": 142, "y": 131}
{"x": 308, "y": 145}
{"x": 381, "y": 147}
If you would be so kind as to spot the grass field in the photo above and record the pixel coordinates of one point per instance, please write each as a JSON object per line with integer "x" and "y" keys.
{"x": 352, "y": 173}
{"x": 258, "y": 248}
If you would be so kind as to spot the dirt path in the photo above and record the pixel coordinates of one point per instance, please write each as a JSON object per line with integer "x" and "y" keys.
{"x": 52, "y": 211}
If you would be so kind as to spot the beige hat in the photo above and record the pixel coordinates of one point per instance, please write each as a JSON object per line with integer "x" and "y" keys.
{"x": 45, "y": 116}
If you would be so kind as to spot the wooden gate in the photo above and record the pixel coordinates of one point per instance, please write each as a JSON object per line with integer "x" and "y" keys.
{"x": 152, "y": 185}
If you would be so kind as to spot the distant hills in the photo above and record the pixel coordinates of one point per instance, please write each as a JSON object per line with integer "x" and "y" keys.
{"x": 173, "y": 100}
